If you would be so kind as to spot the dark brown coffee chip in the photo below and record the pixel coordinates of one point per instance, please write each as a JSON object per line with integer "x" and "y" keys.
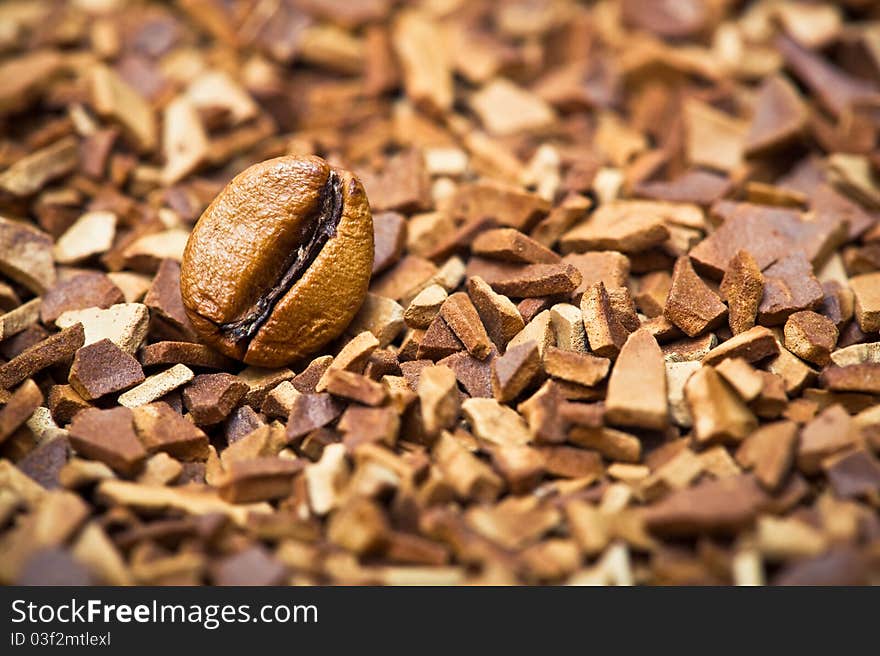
{"x": 474, "y": 375}
{"x": 461, "y": 317}
{"x": 515, "y": 370}
{"x": 108, "y": 436}
{"x": 853, "y": 378}
{"x": 188, "y": 353}
{"x": 18, "y": 409}
{"x": 363, "y": 424}
{"x": 45, "y": 462}
{"x": 103, "y": 368}
{"x": 161, "y": 429}
{"x": 789, "y": 286}
{"x": 64, "y": 402}
{"x": 209, "y": 398}
{"x": 511, "y": 245}
{"x": 605, "y": 334}
{"x": 780, "y": 117}
{"x": 311, "y": 411}
{"x": 532, "y": 280}
{"x": 722, "y": 506}
{"x": 356, "y": 387}
{"x": 253, "y": 566}
{"x": 52, "y": 350}
{"x": 438, "y": 341}
{"x": 54, "y": 566}
{"x": 163, "y": 298}
{"x": 691, "y": 305}
{"x": 83, "y": 290}
{"x": 767, "y": 233}
{"x": 241, "y": 422}
{"x": 259, "y": 479}
{"x": 389, "y": 233}
{"x": 743, "y": 288}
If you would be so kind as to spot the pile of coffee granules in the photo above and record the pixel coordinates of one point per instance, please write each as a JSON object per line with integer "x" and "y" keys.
{"x": 622, "y": 326}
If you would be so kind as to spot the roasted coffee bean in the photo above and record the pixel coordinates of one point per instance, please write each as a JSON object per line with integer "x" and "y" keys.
{"x": 279, "y": 263}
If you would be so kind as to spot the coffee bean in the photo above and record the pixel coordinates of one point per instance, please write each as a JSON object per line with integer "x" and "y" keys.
{"x": 279, "y": 263}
